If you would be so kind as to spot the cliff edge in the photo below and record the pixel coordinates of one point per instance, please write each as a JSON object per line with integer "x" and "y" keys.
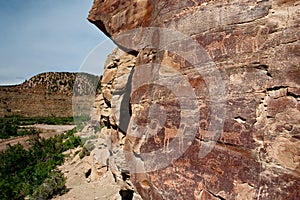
{"x": 46, "y": 95}
{"x": 204, "y": 99}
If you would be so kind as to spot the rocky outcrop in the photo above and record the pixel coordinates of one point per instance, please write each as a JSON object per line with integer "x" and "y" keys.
{"x": 208, "y": 102}
{"x": 47, "y": 95}
{"x": 99, "y": 170}
{"x": 97, "y": 175}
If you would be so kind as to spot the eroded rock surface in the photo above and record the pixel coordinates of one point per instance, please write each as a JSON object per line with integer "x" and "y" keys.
{"x": 99, "y": 170}
{"x": 49, "y": 95}
{"x": 244, "y": 81}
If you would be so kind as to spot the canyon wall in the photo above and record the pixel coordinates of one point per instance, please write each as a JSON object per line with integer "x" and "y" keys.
{"x": 204, "y": 97}
{"x": 48, "y": 95}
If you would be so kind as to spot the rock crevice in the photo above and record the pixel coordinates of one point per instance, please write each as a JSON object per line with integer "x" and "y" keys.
{"x": 147, "y": 100}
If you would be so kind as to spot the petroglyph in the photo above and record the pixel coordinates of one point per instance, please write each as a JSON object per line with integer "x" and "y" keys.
{"x": 218, "y": 45}
{"x": 153, "y": 129}
{"x": 170, "y": 133}
{"x": 242, "y": 40}
{"x": 246, "y": 42}
{"x": 180, "y": 134}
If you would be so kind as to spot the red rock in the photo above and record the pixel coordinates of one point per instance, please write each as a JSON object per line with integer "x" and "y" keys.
{"x": 248, "y": 56}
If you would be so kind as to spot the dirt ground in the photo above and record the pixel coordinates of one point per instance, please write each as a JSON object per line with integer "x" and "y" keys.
{"x": 47, "y": 131}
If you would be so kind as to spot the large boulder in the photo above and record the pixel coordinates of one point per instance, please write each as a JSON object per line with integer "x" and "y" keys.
{"x": 208, "y": 96}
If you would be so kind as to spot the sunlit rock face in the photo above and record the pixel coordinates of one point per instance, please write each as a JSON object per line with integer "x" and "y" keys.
{"x": 208, "y": 99}
{"x": 50, "y": 94}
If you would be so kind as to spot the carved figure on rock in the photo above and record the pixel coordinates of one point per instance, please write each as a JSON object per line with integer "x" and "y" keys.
{"x": 169, "y": 134}
{"x": 255, "y": 40}
{"x": 153, "y": 129}
{"x": 218, "y": 45}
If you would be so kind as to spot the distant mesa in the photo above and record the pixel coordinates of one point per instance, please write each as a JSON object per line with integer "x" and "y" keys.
{"x": 46, "y": 94}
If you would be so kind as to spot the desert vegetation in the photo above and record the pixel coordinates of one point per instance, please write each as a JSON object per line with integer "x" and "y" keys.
{"x": 32, "y": 172}
{"x": 13, "y": 126}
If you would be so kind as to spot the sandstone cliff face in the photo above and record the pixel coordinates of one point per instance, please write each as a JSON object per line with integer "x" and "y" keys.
{"x": 103, "y": 172}
{"x": 219, "y": 121}
{"x": 47, "y": 94}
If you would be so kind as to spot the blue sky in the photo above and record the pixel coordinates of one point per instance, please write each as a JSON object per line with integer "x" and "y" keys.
{"x": 48, "y": 35}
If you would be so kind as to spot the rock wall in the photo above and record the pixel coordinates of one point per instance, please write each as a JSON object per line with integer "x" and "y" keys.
{"x": 205, "y": 105}
{"x": 47, "y": 95}
{"x": 100, "y": 171}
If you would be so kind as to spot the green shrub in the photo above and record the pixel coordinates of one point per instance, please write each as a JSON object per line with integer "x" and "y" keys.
{"x": 53, "y": 185}
{"x": 11, "y": 126}
{"x": 84, "y": 152}
{"x": 29, "y": 171}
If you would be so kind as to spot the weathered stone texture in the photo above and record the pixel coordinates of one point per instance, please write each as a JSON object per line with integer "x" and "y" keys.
{"x": 255, "y": 46}
{"x": 49, "y": 95}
